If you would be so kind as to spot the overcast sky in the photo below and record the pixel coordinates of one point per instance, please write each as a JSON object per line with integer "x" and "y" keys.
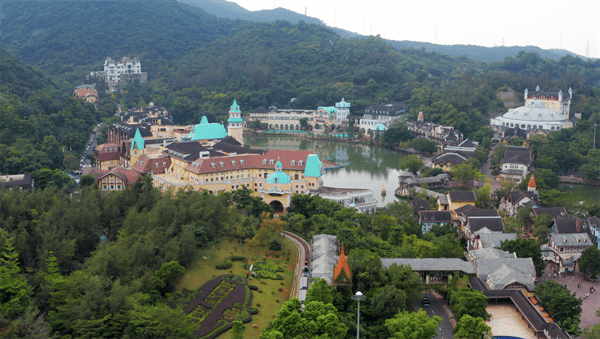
{"x": 570, "y": 25}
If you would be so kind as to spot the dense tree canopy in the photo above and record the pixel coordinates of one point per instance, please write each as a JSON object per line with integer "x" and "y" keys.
{"x": 408, "y": 325}
{"x": 563, "y": 306}
{"x": 589, "y": 262}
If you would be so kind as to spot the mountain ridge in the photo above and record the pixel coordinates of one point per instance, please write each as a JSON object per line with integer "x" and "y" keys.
{"x": 231, "y": 10}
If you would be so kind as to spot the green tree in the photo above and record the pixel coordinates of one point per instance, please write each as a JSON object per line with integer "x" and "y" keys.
{"x": 409, "y": 325}
{"x": 469, "y": 327}
{"x": 469, "y": 301}
{"x": 387, "y": 301}
{"x": 563, "y": 306}
{"x": 589, "y": 262}
{"x": 316, "y": 320}
{"x": 541, "y": 227}
{"x": 591, "y": 333}
{"x": 515, "y": 141}
{"x": 513, "y": 225}
{"x": 424, "y": 145}
{"x": 14, "y": 289}
{"x": 397, "y": 134}
{"x": 411, "y": 163}
{"x": 87, "y": 180}
{"x": 238, "y": 329}
{"x": 319, "y": 291}
{"x": 526, "y": 248}
{"x": 168, "y": 276}
{"x": 463, "y": 173}
{"x": 269, "y": 230}
{"x": 160, "y": 321}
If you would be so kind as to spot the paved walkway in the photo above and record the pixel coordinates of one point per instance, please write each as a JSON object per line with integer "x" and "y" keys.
{"x": 589, "y": 306}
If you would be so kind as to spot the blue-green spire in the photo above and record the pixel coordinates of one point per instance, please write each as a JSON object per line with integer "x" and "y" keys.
{"x": 138, "y": 141}
{"x": 235, "y": 108}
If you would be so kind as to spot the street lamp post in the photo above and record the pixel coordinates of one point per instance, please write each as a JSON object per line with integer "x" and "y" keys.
{"x": 358, "y": 297}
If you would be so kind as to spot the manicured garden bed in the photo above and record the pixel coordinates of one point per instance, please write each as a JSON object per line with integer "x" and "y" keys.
{"x": 216, "y": 304}
{"x": 268, "y": 295}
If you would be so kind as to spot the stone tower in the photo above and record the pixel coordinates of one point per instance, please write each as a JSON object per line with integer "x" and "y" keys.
{"x": 235, "y": 127}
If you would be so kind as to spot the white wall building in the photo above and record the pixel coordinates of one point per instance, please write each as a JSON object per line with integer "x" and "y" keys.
{"x": 543, "y": 111}
{"x": 360, "y": 198}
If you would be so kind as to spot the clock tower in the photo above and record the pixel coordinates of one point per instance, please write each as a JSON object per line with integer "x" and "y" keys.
{"x": 235, "y": 127}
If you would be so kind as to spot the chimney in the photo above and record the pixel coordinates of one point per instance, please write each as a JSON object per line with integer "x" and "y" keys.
{"x": 578, "y": 225}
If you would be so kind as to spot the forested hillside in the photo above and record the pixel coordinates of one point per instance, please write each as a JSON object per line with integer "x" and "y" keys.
{"x": 198, "y": 63}
{"x": 38, "y": 121}
{"x": 59, "y": 36}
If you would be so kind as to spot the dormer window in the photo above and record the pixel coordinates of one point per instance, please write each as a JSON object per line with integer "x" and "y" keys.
{"x": 233, "y": 162}
{"x": 271, "y": 162}
{"x": 264, "y": 162}
{"x": 241, "y": 162}
{"x": 300, "y": 163}
{"x": 213, "y": 165}
{"x": 222, "y": 164}
{"x": 293, "y": 163}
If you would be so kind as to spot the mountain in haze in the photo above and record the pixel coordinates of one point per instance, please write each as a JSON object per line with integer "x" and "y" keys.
{"x": 231, "y": 10}
{"x": 481, "y": 53}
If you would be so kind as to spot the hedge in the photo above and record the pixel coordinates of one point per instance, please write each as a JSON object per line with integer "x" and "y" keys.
{"x": 224, "y": 265}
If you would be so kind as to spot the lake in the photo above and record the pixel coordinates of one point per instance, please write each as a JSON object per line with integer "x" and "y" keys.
{"x": 364, "y": 166}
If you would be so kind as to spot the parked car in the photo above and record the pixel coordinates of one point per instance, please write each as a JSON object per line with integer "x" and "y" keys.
{"x": 425, "y": 301}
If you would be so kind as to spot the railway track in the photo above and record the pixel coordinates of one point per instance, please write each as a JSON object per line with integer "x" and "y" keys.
{"x": 303, "y": 249}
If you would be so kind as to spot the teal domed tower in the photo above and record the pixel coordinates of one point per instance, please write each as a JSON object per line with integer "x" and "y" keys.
{"x": 235, "y": 124}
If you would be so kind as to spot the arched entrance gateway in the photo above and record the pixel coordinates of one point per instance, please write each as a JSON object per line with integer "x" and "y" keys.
{"x": 277, "y": 206}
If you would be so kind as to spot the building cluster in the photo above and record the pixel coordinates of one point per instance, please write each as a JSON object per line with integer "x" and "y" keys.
{"x": 209, "y": 157}
{"x": 375, "y": 118}
{"x": 454, "y": 155}
{"x": 443, "y": 135}
{"x": 86, "y": 93}
{"x": 117, "y": 74}
{"x": 542, "y": 113}
{"x": 291, "y": 119}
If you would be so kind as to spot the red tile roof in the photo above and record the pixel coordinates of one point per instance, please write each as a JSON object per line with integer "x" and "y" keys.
{"x": 82, "y": 93}
{"x": 152, "y": 165}
{"x": 107, "y": 147}
{"x": 107, "y": 156}
{"x": 129, "y": 176}
{"x": 222, "y": 164}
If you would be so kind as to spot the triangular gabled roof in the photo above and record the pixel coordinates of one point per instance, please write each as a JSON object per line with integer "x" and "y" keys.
{"x": 342, "y": 266}
{"x": 531, "y": 182}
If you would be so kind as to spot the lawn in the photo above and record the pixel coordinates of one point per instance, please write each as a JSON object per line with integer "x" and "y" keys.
{"x": 204, "y": 270}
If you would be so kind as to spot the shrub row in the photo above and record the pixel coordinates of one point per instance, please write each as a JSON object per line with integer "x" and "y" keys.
{"x": 224, "y": 265}
{"x": 236, "y": 258}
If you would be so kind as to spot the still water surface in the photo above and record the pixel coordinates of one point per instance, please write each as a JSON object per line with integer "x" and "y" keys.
{"x": 364, "y": 166}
